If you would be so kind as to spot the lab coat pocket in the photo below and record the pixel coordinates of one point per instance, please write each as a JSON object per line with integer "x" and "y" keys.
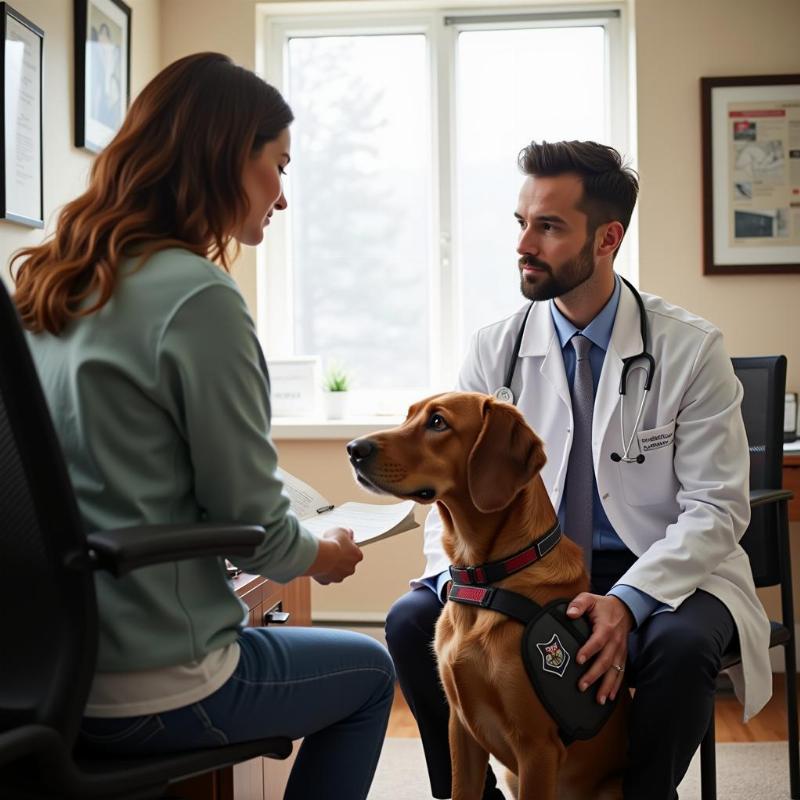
{"x": 652, "y": 481}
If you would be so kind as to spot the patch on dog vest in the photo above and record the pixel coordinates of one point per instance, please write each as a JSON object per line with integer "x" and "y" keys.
{"x": 554, "y": 657}
{"x": 549, "y": 645}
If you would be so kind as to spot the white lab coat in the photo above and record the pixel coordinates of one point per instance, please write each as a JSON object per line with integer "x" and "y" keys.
{"x": 684, "y": 509}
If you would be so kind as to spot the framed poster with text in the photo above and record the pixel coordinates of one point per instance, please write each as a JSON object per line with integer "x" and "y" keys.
{"x": 751, "y": 174}
{"x": 21, "y": 174}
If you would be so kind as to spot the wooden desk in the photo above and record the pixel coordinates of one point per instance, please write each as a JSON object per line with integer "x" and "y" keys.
{"x": 791, "y": 480}
{"x": 259, "y": 778}
{"x": 262, "y": 596}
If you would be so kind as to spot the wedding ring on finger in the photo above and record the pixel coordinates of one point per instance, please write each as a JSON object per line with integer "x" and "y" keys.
{"x": 619, "y": 668}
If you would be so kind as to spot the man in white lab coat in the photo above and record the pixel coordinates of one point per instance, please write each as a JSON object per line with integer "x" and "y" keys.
{"x": 671, "y": 587}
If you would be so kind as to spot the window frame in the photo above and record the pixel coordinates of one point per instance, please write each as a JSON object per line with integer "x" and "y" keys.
{"x": 440, "y": 22}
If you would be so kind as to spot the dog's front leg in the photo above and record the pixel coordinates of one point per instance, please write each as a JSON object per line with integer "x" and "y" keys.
{"x": 539, "y": 763}
{"x": 468, "y": 761}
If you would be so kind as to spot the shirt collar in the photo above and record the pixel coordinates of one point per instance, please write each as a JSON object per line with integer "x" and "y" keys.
{"x": 598, "y": 331}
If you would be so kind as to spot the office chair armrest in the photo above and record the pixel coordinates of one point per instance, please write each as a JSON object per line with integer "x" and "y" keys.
{"x": 761, "y": 497}
{"x": 126, "y": 549}
{"x": 25, "y": 741}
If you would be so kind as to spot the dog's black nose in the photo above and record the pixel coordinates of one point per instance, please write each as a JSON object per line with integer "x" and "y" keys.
{"x": 360, "y": 449}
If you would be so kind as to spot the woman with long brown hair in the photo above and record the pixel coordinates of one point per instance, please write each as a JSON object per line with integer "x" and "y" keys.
{"x": 160, "y": 396}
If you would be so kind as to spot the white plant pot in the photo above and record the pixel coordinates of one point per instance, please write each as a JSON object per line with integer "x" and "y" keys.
{"x": 335, "y": 404}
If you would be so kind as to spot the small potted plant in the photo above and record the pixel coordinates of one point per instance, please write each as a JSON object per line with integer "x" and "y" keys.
{"x": 337, "y": 383}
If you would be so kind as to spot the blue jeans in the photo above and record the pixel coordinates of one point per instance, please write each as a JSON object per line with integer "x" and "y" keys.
{"x": 335, "y": 688}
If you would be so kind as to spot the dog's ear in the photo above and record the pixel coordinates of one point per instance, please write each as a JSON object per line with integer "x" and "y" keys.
{"x": 505, "y": 457}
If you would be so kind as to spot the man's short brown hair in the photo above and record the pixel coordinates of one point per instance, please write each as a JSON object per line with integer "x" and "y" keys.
{"x": 610, "y": 187}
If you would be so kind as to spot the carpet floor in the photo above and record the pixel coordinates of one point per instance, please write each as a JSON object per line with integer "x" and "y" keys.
{"x": 757, "y": 771}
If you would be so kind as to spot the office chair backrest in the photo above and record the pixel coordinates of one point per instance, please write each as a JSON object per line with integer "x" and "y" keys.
{"x": 764, "y": 382}
{"x": 48, "y": 633}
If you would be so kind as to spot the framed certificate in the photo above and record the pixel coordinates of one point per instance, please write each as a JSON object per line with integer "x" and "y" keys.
{"x": 751, "y": 174}
{"x": 295, "y": 386}
{"x": 21, "y": 186}
{"x": 102, "y": 70}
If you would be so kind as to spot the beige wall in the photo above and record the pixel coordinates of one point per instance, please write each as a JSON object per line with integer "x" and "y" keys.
{"x": 65, "y": 166}
{"x": 677, "y": 43}
{"x": 224, "y": 26}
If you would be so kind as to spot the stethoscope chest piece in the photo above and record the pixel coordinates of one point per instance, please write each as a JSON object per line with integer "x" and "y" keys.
{"x": 504, "y": 395}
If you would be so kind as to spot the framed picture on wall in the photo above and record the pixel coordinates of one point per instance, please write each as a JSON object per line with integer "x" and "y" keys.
{"x": 21, "y": 173}
{"x": 295, "y": 384}
{"x": 751, "y": 174}
{"x": 102, "y": 70}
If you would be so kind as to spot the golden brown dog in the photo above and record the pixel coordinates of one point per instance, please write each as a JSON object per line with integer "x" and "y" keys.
{"x": 480, "y": 462}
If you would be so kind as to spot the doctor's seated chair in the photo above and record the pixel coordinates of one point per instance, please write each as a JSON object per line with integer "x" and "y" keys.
{"x": 49, "y": 608}
{"x": 766, "y": 539}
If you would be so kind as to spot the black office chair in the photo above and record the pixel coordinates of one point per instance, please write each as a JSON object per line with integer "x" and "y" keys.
{"x": 766, "y": 539}
{"x": 48, "y": 634}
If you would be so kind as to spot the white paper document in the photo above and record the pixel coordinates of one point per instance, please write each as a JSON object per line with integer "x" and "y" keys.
{"x": 370, "y": 522}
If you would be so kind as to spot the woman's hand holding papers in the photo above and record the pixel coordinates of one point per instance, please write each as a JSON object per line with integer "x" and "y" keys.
{"x": 337, "y": 557}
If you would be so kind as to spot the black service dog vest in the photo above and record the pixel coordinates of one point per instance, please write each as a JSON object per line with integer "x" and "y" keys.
{"x": 550, "y": 643}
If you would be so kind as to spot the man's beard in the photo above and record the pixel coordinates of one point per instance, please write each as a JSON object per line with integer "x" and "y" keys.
{"x": 572, "y": 273}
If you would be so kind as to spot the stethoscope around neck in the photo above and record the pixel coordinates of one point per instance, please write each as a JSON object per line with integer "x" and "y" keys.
{"x": 629, "y": 364}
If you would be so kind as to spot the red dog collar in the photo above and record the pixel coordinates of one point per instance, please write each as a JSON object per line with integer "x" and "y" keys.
{"x": 485, "y": 574}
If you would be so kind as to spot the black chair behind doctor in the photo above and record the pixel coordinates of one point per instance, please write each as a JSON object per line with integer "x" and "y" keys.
{"x": 766, "y": 539}
{"x": 48, "y": 637}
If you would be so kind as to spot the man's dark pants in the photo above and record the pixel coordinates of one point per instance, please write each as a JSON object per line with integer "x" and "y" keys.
{"x": 673, "y": 661}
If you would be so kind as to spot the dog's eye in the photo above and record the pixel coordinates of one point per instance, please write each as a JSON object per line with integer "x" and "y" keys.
{"x": 437, "y": 423}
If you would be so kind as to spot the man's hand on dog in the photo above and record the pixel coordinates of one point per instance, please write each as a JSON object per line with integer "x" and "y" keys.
{"x": 611, "y": 622}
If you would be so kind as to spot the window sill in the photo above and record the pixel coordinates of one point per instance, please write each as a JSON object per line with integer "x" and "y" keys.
{"x": 286, "y": 428}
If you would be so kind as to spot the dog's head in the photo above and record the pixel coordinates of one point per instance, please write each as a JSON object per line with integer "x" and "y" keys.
{"x": 458, "y": 445}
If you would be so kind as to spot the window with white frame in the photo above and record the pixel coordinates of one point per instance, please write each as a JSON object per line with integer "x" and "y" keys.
{"x": 399, "y": 240}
